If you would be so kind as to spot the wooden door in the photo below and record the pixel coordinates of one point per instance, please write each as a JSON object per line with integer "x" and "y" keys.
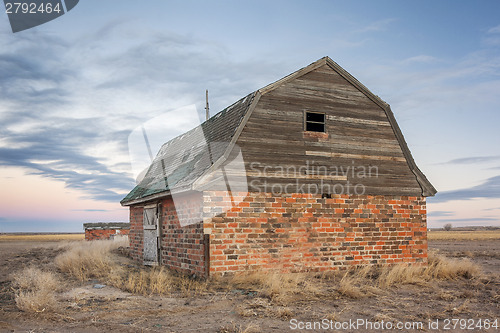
{"x": 151, "y": 234}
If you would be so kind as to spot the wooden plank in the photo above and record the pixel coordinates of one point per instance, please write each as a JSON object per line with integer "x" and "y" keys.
{"x": 359, "y": 134}
{"x": 352, "y": 120}
{"x": 354, "y": 156}
{"x": 299, "y": 104}
{"x": 295, "y": 175}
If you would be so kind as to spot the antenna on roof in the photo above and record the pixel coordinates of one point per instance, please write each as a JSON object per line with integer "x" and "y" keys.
{"x": 206, "y": 107}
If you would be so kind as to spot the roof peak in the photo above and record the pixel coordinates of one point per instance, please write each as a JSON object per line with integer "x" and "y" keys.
{"x": 227, "y": 124}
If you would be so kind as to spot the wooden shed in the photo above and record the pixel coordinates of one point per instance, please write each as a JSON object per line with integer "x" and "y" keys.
{"x": 327, "y": 181}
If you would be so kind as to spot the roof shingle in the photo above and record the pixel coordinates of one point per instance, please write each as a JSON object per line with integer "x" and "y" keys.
{"x": 182, "y": 160}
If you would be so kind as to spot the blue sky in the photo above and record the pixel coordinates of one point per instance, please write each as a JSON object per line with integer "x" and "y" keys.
{"x": 73, "y": 89}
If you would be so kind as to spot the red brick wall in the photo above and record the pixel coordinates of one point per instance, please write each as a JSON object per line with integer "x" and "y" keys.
{"x": 291, "y": 232}
{"x": 303, "y": 232}
{"x": 182, "y": 246}
{"x": 96, "y": 234}
{"x": 136, "y": 235}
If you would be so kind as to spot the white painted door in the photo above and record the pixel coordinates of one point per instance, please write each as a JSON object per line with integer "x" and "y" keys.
{"x": 151, "y": 233}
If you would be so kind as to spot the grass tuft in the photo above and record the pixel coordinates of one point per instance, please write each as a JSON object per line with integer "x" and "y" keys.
{"x": 156, "y": 280}
{"x": 400, "y": 274}
{"x": 35, "y": 290}
{"x": 95, "y": 260}
{"x": 348, "y": 286}
{"x": 441, "y": 267}
{"x": 236, "y": 328}
{"x": 275, "y": 286}
{"x": 85, "y": 260}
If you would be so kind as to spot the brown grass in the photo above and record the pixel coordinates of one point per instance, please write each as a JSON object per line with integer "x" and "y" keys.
{"x": 349, "y": 286}
{"x": 463, "y": 235}
{"x": 372, "y": 280}
{"x": 151, "y": 281}
{"x": 356, "y": 283}
{"x": 276, "y": 286}
{"x": 439, "y": 268}
{"x": 400, "y": 274}
{"x": 95, "y": 260}
{"x": 41, "y": 237}
{"x": 35, "y": 290}
{"x": 85, "y": 260}
{"x": 237, "y": 328}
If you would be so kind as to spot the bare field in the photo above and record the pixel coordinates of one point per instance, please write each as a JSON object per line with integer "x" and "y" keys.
{"x": 50, "y": 287}
{"x": 464, "y": 235}
{"x": 41, "y": 237}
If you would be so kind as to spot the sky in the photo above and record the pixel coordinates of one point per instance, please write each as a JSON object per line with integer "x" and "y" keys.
{"x": 74, "y": 89}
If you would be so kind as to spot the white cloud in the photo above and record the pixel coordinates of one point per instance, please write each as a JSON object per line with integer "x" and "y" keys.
{"x": 426, "y": 59}
{"x": 77, "y": 100}
{"x": 494, "y": 30}
{"x": 380, "y": 25}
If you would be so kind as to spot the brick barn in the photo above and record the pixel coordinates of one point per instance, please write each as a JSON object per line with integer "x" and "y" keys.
{"x": 310, "y": 173}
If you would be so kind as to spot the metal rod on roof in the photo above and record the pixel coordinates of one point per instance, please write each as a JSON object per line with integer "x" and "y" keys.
{"x": 206, "y": 107}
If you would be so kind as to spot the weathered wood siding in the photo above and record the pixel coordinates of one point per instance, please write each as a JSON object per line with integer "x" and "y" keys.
{"x": 358, "y": 138}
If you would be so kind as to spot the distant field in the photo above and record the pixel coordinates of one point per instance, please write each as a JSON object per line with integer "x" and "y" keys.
{"x": 463, "y": 235}
{"x": 41, "y": 237}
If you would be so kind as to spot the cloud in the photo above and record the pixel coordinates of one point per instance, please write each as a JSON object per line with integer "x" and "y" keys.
{"x": 490, "y": 209}
{"x": 439, "y": 213}
{"x": 492, "y": 37}
{"x": 474, "y": 160}
{"x": 488, "y": 189}
{"x": 68, "y": 106}
{"x": 477, "y": 219}
{"x": 494, "y": 30}
{"x": 426, "y": 59}
{"x": 380, "y": 25}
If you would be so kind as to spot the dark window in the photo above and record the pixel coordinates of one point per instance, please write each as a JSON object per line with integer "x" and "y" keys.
{"x": 315, "y": 122}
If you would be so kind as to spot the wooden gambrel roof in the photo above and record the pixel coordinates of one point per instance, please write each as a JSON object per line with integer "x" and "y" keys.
{"x": 187, "y": 161}
{"x": 184, "y": 159}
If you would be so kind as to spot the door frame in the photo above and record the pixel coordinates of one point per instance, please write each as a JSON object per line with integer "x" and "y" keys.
{"x": 148, "y": 228}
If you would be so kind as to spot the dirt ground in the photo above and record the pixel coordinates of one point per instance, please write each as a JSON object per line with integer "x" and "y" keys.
{"x": 87, "y": 309}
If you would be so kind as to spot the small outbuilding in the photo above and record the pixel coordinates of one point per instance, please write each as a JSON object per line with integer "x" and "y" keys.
{"x": 310, "y": 173}
{"x": 106, "y": 230}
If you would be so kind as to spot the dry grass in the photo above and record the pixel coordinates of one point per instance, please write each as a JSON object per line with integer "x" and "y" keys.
{"x": 95, "y": 260}
{"x": 236, "y": 328}
{"x": 373, "y": 280}
{"x": 463, "y": 235}
{"x": 349, "y": 286}
{"x": 276, "y": 286}
{"x": 357, "y": 283}
{"x": 354, "y": 283}
{"x": 35, "y": 290}
{"x": 85, "y": 260}
{"x": 155, "y": 280}
{"x": 151, "y": 281}
{"x": 400, "y": 274}
{"x": 441, "y": 267}
{"x": 41, "y": 237}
